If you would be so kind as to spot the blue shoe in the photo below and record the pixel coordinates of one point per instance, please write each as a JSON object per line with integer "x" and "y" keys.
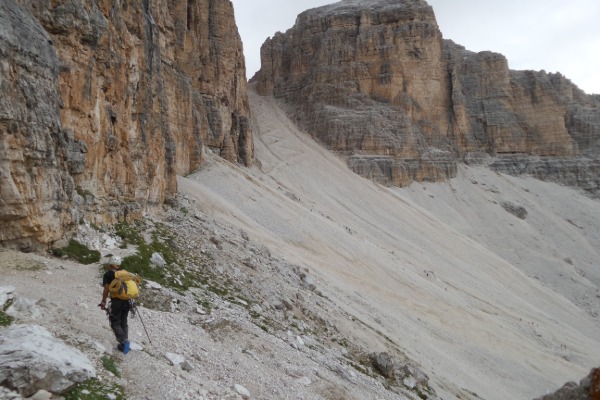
{"x": 126, "y": 347}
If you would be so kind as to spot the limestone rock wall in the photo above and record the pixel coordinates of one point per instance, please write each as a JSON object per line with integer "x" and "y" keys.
{"x": 375, "y": 81}
{"x": 103, "y": 102}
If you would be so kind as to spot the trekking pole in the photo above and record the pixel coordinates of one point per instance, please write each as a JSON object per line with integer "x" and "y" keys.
{"x": 137, "y": 311}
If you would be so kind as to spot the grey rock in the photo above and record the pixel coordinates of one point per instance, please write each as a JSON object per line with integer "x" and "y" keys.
{"x": 289, "y": 305}
{"x": 384, "y": 364}
{"x": 158, "y": 260}
{"x": 174, "y": 359}
{"x": 32, "y": 359}
{"x": 41, "y": 395}
{"x": 516, "y": 210}
{"x": 309, "y": 283}
{"x": 6, "y": 293}
{"x": 242, "y": 391}
{"x": 256, "y": 308}
{"x": 22, "y": 306}
{"x": 187, "y": 366}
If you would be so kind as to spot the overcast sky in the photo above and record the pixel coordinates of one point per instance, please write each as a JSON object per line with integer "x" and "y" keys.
{"x": 553, "y": 35}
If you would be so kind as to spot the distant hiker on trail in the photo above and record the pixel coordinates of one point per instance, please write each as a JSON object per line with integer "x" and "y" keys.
{"x": 122, "y": 287}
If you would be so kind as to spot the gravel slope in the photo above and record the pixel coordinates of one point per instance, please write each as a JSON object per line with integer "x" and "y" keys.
{"x": 488, "y": 305}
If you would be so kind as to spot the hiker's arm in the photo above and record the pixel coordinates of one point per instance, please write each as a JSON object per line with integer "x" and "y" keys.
{"x": 104, "y": 296}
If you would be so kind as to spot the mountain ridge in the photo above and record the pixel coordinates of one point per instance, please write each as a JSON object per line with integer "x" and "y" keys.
{"x": 381, "y": 86}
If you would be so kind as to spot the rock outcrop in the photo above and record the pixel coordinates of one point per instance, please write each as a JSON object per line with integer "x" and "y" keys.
{"x": 587, "y": 389}
{"x": 375, "y": 81}
{"x": 102, "y": 104}
{"x": 31, "y": 359}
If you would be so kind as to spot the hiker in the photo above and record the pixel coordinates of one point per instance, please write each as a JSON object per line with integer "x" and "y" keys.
{"x": 118, "y": 309}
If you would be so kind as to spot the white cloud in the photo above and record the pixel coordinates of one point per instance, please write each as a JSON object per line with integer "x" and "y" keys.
{"x": 552, "y": 35}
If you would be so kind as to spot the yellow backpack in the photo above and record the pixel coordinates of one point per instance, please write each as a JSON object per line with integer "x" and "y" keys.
{"x": 125, "y": 285}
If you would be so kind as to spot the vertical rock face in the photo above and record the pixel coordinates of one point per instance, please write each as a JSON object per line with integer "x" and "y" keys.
{"x": 375, "y": 81}
{"x": 102, "y": 103}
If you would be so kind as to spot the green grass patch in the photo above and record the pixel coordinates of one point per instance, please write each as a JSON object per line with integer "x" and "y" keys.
{"x": 173, "y": 275}
{"x": 111, "y": 365}
{"x": 5, "y": 319}
{"x": 30, "y": 266}
{"x": 130, "y": 233}
{"x": 79, "y": 252}
{"x": 204, "y": 303}
{"x": 93, "y": 389}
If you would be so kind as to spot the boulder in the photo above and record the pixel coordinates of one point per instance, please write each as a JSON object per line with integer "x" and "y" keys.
{"x": 31, "y": 359}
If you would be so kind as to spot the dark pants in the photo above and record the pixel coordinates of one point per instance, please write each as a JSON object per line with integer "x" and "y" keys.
{"x": 119, "y": 310}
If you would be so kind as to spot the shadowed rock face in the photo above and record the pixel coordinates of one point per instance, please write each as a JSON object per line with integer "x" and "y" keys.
{"x": 103, "y": 103}
{"x": 375, "y": 81}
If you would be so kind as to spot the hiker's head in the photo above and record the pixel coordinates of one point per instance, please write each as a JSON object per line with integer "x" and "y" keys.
{"x": 115, "y": 261}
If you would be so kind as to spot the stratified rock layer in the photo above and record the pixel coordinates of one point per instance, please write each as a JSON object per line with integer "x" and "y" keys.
{"x": 375, "y": 81}
{"x": 103, "y": 103}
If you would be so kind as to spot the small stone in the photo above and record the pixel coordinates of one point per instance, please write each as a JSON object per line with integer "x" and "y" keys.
{"x": 153, "y": 285}
{"x": 256, "y": 308}
{"x": 6, "y": 293}
{"x": 276, "y": 304}
{"x": 175, "y": 359}
{"x": 158, "y": 260}
{"x": 309, "y": 283}
{"x": 135, "y": 346}
{"x": 242, "y": 391}
{"x": 187, "y": 366}
{"x": 517, "y": 210}
{"x": 410, "y": 382}
{"x": 200, "y": 311}
{"x": 303, "y": 380}
{"x": 41, "y": 395}
{"x": 287, "y": 303}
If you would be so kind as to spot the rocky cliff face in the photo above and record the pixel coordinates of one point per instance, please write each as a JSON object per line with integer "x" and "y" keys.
{"x": 375, "y": 81}
{"x": 102, "y": 103}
